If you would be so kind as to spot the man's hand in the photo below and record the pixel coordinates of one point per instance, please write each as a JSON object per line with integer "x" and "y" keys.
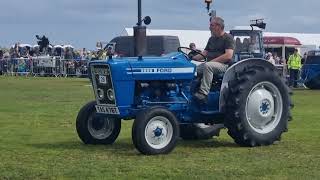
{"x": 199, "y": 57}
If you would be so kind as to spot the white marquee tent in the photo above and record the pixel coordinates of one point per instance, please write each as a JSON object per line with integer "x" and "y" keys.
{"x": 200, "y": 38}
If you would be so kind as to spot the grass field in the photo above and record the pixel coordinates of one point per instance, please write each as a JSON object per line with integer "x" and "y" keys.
{"x": 38, "y": 141}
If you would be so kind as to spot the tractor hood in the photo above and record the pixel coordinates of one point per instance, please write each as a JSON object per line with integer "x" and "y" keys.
{"x": 173, "y": 66}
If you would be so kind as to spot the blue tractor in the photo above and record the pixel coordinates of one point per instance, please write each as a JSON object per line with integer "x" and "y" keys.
{"x": 310, "y": 73}
{"x": 250, "y": 99}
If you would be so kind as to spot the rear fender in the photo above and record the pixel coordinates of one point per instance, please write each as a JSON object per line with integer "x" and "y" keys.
{"x": 230, "y": 75}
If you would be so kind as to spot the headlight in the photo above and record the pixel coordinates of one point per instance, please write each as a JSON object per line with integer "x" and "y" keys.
{"x": 100, "y": 94}
{"x": 110, "y": 94}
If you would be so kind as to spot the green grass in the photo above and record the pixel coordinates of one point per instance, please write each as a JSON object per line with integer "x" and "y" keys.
{"x": 38, "y": 141}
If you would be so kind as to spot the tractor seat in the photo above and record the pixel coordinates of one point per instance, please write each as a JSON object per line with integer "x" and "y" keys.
{"x": 219, "y": 76}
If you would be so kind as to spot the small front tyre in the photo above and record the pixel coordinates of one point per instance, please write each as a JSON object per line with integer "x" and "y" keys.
{"x": 155, "y": 131}
{"x": 93, "y": 128}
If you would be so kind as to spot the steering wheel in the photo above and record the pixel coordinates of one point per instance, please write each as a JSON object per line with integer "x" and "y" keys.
{"x": 193, "y": 52}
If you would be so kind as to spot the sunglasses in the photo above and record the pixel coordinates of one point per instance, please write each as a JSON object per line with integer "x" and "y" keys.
{"x": 214, "y": 24}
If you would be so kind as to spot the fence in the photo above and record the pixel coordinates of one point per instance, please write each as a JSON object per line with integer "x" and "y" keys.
{"x": 57, "y": 67}
{"x": 44, "y": 66}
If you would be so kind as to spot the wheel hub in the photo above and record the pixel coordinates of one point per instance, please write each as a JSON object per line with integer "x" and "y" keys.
{"x": 100, "y": 127}
{"x": 264, "y": 107}
{"x": 98, "y": 123}
{"x": 158, "y": 132}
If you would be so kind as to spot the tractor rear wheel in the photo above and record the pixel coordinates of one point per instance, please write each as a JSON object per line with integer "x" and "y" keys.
{"x": 258, "y": 106}
{"x": 155, "y": 131}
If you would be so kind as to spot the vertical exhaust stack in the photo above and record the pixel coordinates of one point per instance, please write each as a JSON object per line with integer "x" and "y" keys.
{"x": 140, "y": 40}
{"x": 140, "y": 34}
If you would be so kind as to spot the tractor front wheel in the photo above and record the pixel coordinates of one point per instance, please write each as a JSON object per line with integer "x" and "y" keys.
{"x": 155, "y": 131}
{"x": 93, "y": 128}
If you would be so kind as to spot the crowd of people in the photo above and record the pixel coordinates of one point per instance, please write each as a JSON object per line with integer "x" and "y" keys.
{"x": 66, "y": 52}
{"x": 46, "y": 59}
{"x": 274, "y": 59}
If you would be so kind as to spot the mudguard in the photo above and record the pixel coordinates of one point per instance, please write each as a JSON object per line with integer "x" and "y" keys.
{"x": 230, "y": 74}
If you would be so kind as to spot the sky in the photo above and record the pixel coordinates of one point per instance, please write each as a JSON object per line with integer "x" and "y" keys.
{"x": 84, "y": 22}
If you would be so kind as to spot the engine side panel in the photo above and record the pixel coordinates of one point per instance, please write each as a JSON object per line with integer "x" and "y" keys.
{"x": 174, "y": 67}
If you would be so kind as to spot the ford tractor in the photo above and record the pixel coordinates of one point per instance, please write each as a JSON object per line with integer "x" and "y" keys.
{"x": 250, "y": 100}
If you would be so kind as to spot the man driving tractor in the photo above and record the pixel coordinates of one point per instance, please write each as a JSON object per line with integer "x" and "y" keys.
{"x": 219, "y": 52}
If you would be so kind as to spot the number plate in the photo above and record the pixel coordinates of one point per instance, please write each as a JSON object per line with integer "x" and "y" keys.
{"x": 102, "y": 79}
{"x": 107, "y": 109}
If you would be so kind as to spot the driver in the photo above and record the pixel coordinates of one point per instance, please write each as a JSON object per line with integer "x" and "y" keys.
{"x": 219, "y": 52}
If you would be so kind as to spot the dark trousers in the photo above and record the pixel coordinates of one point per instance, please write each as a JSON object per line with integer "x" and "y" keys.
{"x": 294, "y": 73}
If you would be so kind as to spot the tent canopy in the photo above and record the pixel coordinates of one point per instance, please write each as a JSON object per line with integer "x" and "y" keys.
{"x": 279, "y": 40}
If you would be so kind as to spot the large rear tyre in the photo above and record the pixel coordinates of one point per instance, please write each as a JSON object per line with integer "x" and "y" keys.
{"x": 258, "y": 107}
{"x": 93, "y": 128}
{"x": 155, "y": 131}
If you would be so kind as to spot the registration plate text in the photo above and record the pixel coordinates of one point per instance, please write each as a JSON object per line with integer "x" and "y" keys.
{"x": 107, "y": 109}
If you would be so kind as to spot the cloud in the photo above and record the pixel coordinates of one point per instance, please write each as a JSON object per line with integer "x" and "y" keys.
{"x": 306, "y": 20}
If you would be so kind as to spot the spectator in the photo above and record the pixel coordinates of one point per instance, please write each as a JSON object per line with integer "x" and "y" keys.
{"x": 294, "y": 66}
{"x": 195, "y": 51}
{"x": 254, "y": 46}
{"x": 6, "y": 55}
{"x": 304, "y": 58}
{"x": 102, "y": 54}
{"x": 238, "y": 47}
{"x": 43, "y": 43}
{"x": 276, "y": 58}
{"x": 1, "y": 62}
{"x": 84, "y": 54}
{"x": 1, "y": 54}
{"x": 35, "y": 51}
{"x": 58, "y": 51}
{"x": 15, "y": 53}
{"x": 68, "y": 54}
{"x": 270, "y": 58}
{"x": 245, "y": 45}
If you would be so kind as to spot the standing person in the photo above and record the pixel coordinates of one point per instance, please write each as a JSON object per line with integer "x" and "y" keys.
{"x": 304, "y": 58}
{"x": 83, "y": 54}
{"x": 43, "y": 43}
{"x": 1, "y": 62}
{"x": 270, "y": 58}
{"x": 219, "y": 52}
{"x": 294, "y": 66}
{"x": 276, "y": 58}
{"x": 1, "y": 53}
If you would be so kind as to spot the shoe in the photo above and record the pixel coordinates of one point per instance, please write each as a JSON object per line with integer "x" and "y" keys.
{"x": 200, "y": 97}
